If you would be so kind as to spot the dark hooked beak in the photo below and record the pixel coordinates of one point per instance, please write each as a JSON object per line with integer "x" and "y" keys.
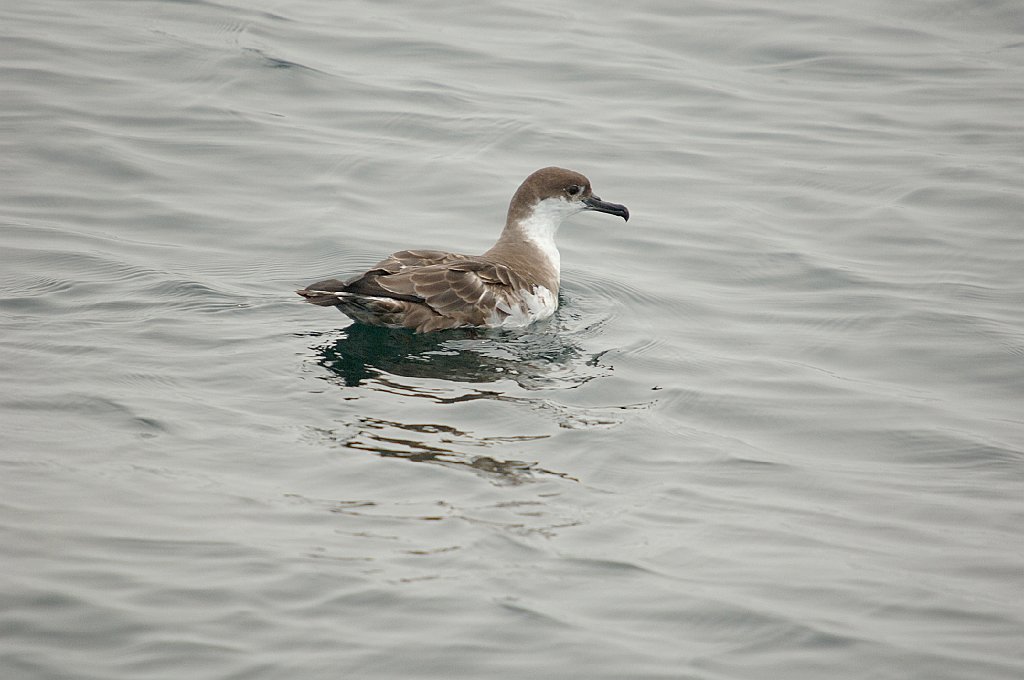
{"x": 595, "y": 203}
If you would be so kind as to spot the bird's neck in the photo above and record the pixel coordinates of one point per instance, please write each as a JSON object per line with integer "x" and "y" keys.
{"x": 531, "y": 237}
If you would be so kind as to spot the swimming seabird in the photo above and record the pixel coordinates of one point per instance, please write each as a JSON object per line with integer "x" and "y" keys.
{"x": 511, "y": 285}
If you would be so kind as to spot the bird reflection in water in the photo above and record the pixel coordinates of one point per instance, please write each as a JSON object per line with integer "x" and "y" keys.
{"x": 532, "y": 360}
{"x": 443, "y": 368}
{"x": 423, "y": 443}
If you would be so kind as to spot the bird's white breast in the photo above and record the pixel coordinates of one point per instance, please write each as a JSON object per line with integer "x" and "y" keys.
{"x": 527, "y": 307}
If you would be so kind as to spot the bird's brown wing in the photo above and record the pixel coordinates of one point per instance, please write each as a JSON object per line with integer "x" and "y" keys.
{"x": 424, "y": 289}
{"x": 403, "y": 259}
{"x": 367, "y": 283}
{"x": 468, "y": 291}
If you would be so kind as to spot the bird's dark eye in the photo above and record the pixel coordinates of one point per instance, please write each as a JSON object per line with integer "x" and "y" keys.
{"x": 574, "y": 189}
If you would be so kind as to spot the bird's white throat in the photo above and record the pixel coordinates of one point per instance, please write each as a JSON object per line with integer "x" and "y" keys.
{"x": 541, "y": 224}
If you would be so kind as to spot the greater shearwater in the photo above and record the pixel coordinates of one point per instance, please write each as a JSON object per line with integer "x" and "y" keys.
{"x": 511, "y": 285}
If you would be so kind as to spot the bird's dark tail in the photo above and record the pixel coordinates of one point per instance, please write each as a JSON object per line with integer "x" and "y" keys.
{"x": 327, "y": 293}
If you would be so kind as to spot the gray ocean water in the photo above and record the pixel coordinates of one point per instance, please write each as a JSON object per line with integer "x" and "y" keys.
{"x": 775, "y": 430}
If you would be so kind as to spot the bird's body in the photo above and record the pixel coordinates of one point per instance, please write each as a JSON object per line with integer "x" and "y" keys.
{"x": 513, "y": 284}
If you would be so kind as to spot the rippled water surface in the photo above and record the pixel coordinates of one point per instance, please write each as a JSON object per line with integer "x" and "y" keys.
{"x": 775, "y": 430}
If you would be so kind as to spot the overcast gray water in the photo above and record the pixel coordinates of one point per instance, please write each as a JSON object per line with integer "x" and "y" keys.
{"x": 775, "y": 430}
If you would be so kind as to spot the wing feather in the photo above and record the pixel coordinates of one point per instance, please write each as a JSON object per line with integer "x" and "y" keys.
{"x": 429, "y": 289}
{"x": 468, "y": 290}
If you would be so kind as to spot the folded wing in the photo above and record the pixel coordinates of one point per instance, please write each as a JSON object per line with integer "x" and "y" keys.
{"x": 424, "y": 289}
